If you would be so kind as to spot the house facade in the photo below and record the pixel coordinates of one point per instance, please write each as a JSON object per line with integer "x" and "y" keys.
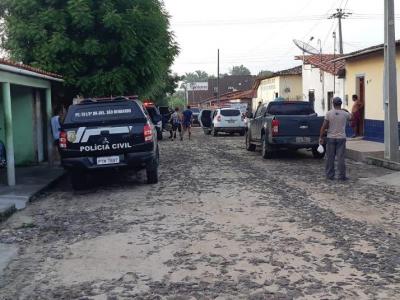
{"x": 323, "y": 79}
{"x": 365, "y": 78}
{"x": 285, "y": 84}
{"x": 227, "y": 84}
{"x": 25, "y": 113}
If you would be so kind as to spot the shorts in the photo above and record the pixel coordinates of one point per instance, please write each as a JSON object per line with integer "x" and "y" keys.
{"x": 177, "y": 127}
{"x": 187, "y": 124}
{"x": 356, "y": 119}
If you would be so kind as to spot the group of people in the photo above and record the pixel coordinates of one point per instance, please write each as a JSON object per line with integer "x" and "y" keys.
{"x": 181, "y": 122}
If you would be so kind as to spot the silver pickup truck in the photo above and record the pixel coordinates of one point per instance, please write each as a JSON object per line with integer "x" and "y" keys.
{"x": 284, "y": 125}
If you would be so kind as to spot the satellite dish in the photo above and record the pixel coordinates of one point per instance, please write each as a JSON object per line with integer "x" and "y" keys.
{"x": 305, "y": 47}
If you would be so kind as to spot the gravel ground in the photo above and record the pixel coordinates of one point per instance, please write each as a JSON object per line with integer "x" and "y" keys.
{"x": 222, "y": 224}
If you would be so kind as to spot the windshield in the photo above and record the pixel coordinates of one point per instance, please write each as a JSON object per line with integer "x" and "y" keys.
{"x": 195, "y": 110}
{"x": 290, "y": 109}
{"x": 230, "y": 112}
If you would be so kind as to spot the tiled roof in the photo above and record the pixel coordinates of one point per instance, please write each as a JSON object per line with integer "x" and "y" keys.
{"x": 28, "y": 68}
{"x": 367, "y": 51}
{"x": 292, "y": 71}
{"x": 227, "y": 84}
{"x": 324, "y": 62}
{"x": 288, "y": 72}
{"x": 249, "y": 94}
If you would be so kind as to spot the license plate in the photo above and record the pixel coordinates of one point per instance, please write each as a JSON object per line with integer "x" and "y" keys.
{"x": 303, "y": 139}
{"x": 108, "y": 160}
{"x": 231, "y": 121}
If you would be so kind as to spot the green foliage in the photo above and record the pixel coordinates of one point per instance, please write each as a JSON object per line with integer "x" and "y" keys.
{"x": 101, "y": 47}
{"x": 177, "y": 100}
{"x": 197, "y": 76}
{"x": 239, "y": 70}
{"x": 265, "y": 73}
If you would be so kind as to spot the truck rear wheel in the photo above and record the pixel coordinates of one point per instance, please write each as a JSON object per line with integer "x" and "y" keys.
{"x": 152, "y": 170}
{"x": 249, "y": 146}
{"x": 266, "y": 151}
{"x": 79, "y": 180}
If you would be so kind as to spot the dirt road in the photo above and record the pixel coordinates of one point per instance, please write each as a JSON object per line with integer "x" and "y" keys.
{"x": 222, "y": 223}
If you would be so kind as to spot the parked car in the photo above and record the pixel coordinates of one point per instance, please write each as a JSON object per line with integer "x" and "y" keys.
{"x": 196, "y": 112}
{"x": 229, "y": 120}
{"x": 155, "y": 117}
{"x": 115, "y": 134}
{"x": 284, "y": 125}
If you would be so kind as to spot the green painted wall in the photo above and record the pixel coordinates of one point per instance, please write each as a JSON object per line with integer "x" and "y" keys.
{"x": 23, "y": 126}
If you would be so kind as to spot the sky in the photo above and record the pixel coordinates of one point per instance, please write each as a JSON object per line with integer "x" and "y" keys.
{"x": 259, "y": 33}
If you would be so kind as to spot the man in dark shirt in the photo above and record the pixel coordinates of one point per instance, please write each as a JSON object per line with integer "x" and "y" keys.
{"x": 187, "y": 121}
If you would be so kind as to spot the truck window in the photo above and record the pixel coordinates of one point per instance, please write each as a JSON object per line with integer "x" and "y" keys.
{"x": 290, "y": 109}
{"x": 88, "y": 113}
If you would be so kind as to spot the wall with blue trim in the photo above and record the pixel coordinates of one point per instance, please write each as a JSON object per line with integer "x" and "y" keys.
{"x": 374, "y": 130}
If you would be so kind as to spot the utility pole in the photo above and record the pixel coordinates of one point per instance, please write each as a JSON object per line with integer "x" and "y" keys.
{"x": 340, "y": 14}
{"x": 390, "y": 90}
{"x": 218, "y": 82}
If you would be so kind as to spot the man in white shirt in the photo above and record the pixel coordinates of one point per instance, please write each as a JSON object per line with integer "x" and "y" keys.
{"x": 335, "y": 125}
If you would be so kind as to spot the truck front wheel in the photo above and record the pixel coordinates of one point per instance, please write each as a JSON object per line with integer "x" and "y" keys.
{"x": 249, "y": 146}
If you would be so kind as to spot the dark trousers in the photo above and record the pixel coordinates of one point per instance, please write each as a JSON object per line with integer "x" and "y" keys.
{"x": 335, "y": 148}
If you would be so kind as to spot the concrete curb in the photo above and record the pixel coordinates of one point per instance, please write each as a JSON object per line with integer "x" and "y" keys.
{"x": 380, "y": 162}
{"x": 6, "y": 210}
{"x": 12, "y": 203}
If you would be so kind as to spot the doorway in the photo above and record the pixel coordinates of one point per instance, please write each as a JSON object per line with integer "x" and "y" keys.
{"x": 360, "y": 91}
{"x": 330, "y": 98}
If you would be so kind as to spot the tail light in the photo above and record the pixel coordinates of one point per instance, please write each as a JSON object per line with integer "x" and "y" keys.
{"x": 148, "y": 133}
{"x": 275, "y": 127}
{"x": 63, "y": 140}
{"x": 219, "y": 118}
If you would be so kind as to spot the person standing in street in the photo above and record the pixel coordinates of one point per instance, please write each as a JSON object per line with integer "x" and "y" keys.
{"x": 335, "y": 126}
{"x": 187, "y": 121}
{"x": 356, "y": 111}
{"x": 176, "y": 121}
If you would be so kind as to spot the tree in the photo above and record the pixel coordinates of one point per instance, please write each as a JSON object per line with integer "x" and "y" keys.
{"x": 239, "y": 70}
{"x": 101, "y": 47}
{"x": 265, "y": 73}
{"x": 197, "y": 76}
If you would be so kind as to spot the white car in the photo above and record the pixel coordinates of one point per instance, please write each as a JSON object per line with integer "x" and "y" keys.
{"x": 229, "y": 120}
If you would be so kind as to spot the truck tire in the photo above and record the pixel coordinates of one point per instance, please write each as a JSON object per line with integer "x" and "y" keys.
{"x": 152, "y": 170}
{"x": 79, "y": 180}
{"x": 266, "y": 150}
{"x": 316, "y": 154}
{"x": 249, "y": 146}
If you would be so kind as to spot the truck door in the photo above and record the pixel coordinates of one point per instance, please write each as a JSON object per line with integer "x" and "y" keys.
{"x": 205, "y": 119}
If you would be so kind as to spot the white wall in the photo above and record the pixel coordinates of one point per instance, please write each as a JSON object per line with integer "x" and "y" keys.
{"x": 321, "y": 82}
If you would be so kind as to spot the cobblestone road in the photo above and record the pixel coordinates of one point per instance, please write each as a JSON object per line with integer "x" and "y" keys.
{"x": 222, "y": 223}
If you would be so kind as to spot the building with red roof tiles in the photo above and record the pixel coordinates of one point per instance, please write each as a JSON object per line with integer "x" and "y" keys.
{"x": 26, "y": 99}
{"x": 286, "y": 84}
{"x": 323, "y": 79}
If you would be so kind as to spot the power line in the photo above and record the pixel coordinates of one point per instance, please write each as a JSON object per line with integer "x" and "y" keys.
{"x": 340, "y": 14}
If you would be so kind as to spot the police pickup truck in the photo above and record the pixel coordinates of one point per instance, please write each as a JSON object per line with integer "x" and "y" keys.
{"x": 115, "y": 133}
